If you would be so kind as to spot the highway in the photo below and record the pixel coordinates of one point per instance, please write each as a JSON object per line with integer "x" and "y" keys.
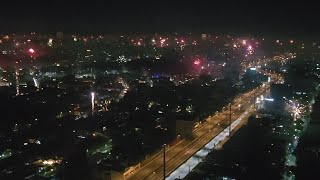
{"x": 184, "y": 169}
{"x": 152, "y": 168}
{"x": 182, "y": 151}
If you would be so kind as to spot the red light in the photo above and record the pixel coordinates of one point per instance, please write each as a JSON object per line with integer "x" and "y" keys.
{"x": 196, "y": 62}
{"x": 31, "y": 50}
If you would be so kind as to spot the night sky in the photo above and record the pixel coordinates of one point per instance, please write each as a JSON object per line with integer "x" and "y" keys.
{"x": 159, "y": 16}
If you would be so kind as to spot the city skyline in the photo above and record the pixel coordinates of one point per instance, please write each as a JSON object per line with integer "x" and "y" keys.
{"x": 159, "y": 91}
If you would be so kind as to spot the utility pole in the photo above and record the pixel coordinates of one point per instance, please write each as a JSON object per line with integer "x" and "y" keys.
{"x": 230, "y": 115}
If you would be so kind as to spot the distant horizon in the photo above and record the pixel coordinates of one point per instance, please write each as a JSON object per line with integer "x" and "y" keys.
{"x": 218, "y": 17}
{"x": 281, "y": 35}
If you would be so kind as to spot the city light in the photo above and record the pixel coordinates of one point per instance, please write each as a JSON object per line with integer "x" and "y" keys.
{"x": 35, "y": 83}
{"x": 31, "y": 50}
{"x": 50, "y": 42}
{"x": 17, "y": 83}
{"x": 92, "y": 102}
{"x": 48, "y": 162}
{"x": 139, "y": 87}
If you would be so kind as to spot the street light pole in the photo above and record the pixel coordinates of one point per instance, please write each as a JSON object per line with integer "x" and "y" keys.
{"x": 164, "y": 152}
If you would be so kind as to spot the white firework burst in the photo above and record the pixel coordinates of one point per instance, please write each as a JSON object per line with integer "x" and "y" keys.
{"x": 295, "y": 109}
